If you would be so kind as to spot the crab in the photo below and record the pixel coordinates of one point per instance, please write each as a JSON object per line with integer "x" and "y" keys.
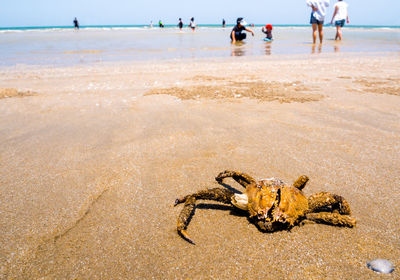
{"x": 270, "y": 203}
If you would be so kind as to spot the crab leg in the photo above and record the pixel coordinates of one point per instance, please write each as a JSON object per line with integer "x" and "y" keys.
{"x": 240, "y": 177}
{"x": 184, "y": 218}
{"x": 338, "y": 207}
{"x": 301, "y": 182}
{"x": 325, "y": 201}
{"x": 332, "y": 219}
{"x": 216, "y": 194}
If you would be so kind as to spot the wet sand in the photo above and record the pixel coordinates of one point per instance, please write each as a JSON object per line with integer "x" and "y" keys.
{"x": 91, "y": 163}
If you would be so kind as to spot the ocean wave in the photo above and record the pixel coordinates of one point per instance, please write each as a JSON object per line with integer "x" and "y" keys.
{"x": 35, "y": 30}
{"x": 69, "y": 29}
{"x": 174, "y": 27}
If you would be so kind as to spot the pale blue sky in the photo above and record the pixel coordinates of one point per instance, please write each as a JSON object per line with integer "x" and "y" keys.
{"x": 125, "y": 12}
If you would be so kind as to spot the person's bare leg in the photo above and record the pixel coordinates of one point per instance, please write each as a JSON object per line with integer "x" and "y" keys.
{"x": 321, "y": 33}
{"x": 314, "y": 28}
{"x": 339, "y": 32}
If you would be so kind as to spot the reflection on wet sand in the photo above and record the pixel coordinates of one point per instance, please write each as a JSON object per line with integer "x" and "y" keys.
{"x": 336, "y": 48}
{"x": 268, "y": 48}
{"x": 319, "y": 48}
{"x": 238, "y": 49}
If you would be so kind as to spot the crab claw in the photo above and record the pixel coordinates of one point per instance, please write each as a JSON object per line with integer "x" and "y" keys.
{"x": 184, "y": 218}
{"x": 185, "y": 236}
{"x": 180, "y": 200}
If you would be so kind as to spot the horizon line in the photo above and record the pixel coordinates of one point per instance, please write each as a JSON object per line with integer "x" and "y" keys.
{"x": 173, "y": 25}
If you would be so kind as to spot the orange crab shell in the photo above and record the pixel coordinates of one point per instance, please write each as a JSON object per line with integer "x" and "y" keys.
{"x": 287, "y": 203}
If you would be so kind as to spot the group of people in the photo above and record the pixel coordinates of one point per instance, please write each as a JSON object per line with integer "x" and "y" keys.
{"x": 192, "y": 24}
{"x": 318, "y": 13}
{"x": 237, "y": 33}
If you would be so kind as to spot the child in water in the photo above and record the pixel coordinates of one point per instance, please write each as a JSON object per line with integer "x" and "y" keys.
{"x": 268, "y": 31}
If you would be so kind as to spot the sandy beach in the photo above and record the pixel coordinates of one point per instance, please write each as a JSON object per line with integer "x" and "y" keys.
{"x": 93, "y": 157}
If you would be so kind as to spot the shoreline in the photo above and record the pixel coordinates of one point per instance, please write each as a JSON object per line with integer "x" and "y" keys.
{"x": 204, "y": 60}
{"x": 92, "y": 47}
{"x": 175, "y": 26}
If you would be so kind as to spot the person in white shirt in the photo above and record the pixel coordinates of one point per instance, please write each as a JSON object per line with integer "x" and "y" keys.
{"x": 340, "y": 15}
{"x": 192, "y": 24}
{"x": 318, "y": 13}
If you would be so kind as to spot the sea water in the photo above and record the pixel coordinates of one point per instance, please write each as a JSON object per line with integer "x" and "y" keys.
{"x": 60, "y": 46}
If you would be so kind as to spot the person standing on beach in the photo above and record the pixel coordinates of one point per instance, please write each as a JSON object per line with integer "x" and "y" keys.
{"x": 340, "y": 15}
{"x": 318, "y": 12}
{"x": 180, "y": 24}
{"x": 236, "y": 34}
{"x": 76, "y": 24}
{"x": 160, "y": 24}
{"x": 223, "y": 23}
{"x": 192, "y": 24}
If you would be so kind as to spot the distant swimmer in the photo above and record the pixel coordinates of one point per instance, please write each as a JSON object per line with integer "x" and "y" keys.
{"x": 192, "y": 24}
{"x": 340, "y": 16}
{"x": 180, "y": 24}
{"x": 160, "y": 24}
{"x": 76, "y": 24}
{"x": 223, "y": 23}
{"x": 268, "y": 31}
{"x": 237, "y": 33}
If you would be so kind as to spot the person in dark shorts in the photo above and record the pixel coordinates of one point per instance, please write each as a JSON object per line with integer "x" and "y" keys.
{"x": 180, "y": 24}
{"x": 318, "y": 12}
{"x": 192, "y": 24}
{"x": 160, "y": 24}
{"x": 237, "y": 33}
{"x": 340, "y": 16}
{"x": 223, "y": 22}
{"x": 76, "y": 23}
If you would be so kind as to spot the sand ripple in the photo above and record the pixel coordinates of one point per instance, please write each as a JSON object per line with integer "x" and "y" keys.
{"x": 12, "y": 92}
{"x": 389, "y": 86}
{"x": 283, "y": 92}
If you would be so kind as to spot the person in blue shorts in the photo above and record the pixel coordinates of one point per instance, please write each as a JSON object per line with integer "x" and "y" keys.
{"x": 237, "y": 33}
{"x": 340, "y": 16}
{"x": 318, "y": 12}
